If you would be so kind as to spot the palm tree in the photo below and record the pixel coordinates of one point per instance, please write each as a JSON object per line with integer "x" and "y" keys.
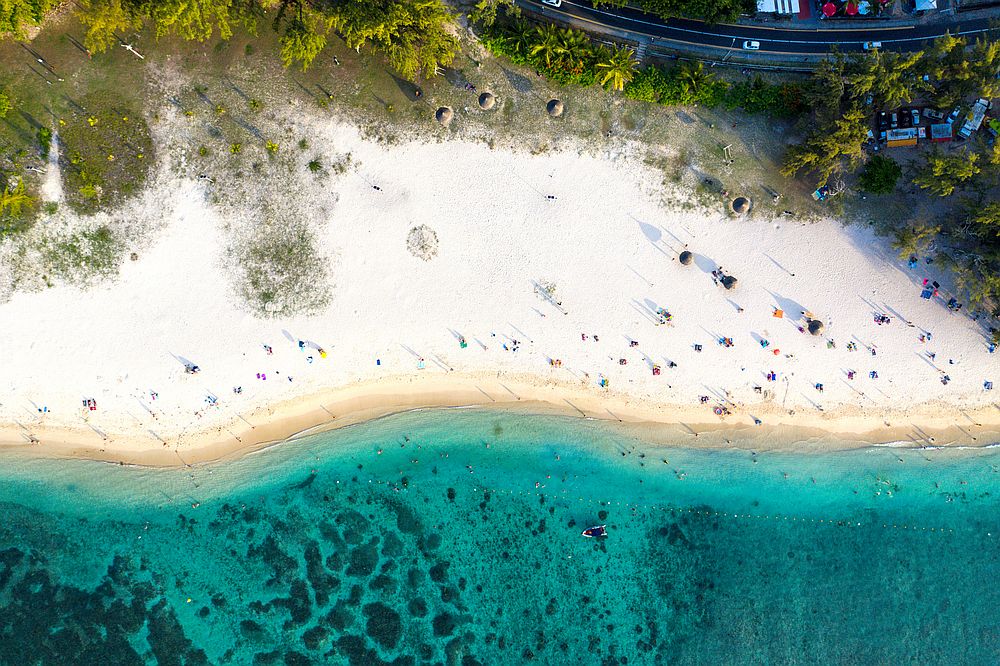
{"x": 619, "y": 67}
{"x": 13, "y": 200}
{"x": 522, "y": 37}
{"x": 693, "y": 77}
{"x": 574, "y": 47}
{"x": 547, "y": 43}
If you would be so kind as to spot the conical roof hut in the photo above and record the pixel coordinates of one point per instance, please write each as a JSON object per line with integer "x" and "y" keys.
{"x": 444, "y": 115}
{"x": 741, "y": 205}
{"x": 686, "y": 257}
{"x": 487, "y": 101}
{"x": 815, "y": 326}
{"x": 554, "y": 108}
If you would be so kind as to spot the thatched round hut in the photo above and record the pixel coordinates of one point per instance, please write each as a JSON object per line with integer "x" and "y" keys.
{"x": 741, "y": 205}
{"x": 487, "y": 101}
{"x": 686, "y": 258}
{"x": 815, "y": 326}
{"x": 728, "y": 281}
{"x": 444, "y": 115}
{"x": 554, "y": 108}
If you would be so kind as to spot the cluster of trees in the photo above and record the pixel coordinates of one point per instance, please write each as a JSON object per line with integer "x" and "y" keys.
{"x": 17, "y": 16}
{"x": 691, "y": 84}
{"x": 568, "y": 56}
{"x": 416, "y": 36}
{"x": 846, "y": 93}
{"x": 562, "y": 54}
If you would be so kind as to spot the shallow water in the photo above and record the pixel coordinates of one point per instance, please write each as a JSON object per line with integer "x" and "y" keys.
{"x": 460, "y": 543}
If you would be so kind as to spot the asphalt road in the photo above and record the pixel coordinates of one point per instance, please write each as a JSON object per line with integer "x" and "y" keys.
{"x": 772, "y": 40}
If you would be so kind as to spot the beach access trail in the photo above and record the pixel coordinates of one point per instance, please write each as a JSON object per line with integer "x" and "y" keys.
{"x": 550, "y": 270}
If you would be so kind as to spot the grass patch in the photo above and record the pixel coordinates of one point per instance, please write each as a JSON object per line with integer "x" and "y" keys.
{"x": 84, "y": 255}
{"x": 282, "y": 271}
{"x": 107, "y": 154}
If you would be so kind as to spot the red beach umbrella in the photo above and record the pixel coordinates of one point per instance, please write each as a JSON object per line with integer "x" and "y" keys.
{"x": 829, "y": 9}
{"x": 852, "y": 9}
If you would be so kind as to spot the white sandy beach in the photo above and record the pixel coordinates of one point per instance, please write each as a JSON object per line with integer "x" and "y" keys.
{"x": 606, "y": 241}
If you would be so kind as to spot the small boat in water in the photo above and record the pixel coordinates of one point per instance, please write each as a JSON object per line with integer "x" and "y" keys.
{"x": 596, "y": 531}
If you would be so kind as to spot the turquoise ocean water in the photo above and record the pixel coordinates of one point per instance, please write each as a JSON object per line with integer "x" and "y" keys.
{"x": 460, "y": 543}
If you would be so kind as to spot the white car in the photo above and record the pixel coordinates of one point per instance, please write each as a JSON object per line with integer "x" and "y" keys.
{"x": 751, "y": 45}
{"x": 869, "y": 46}
{"x": 552, "y": 3}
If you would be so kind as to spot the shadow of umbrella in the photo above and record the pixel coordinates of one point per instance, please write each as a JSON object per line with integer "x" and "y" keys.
{"x": 706, "y": 264}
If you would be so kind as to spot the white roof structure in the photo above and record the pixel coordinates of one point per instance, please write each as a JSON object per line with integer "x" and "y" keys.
{"x": 779, "y": 6}
{"x": 926, "y": 5}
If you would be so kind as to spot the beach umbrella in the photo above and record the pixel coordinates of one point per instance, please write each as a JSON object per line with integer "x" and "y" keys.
{"x": 487, "y": 101}
{"x": 729, "y": 282}
{"x": 444, "y": 115}
{"x": 852, "y": 9}
{"x": 741, "y": 205}
{"x": 554, "y": 108}
{"x": 686, "y": 257}
{"x": 829, "y": 9}
{"x": 815, "y": 326}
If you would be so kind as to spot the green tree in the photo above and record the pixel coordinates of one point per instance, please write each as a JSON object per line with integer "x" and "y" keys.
{"x": 880, "y": 175}
{"x": 693, "y": 77}
{"x": 943, "y": 173}
{"x": 824, "y": 150}
{"x": 485, "y": 11}
{"x": 415, "y": 35}
{"x": 15, "y": 204}
{"x": 198, "y": 20}
{"x": 548, "y": 45}
{"x": 914, "y": 238}
{"x": 985, "y": 221}
{"x": 6, "y": 104}
{"x": 826, "y": 89}
{"x": 618, "y": 68}
{"x": 574, "y": 47}
{"x": 106, "y": 18}
{"x": 16, "y": 16}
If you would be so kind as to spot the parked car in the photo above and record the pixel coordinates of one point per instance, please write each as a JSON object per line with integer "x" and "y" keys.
{"x": 552, "y": 3}
{"x": 893, "y": 120}
{"x": 953, "y": 116}
{"x": 869, "y": 46}
{"x": 750, "y": 45}
{"x": 915, "y": 115}
{"x": 904, "y": 118}
{"x": 883, "y": 121}
{"x": 933, "y": 115}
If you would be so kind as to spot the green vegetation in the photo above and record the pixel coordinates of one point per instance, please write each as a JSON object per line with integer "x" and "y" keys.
{"x": 880, "y": 175}
{"x": 846, "y": 93}
{"x": 16, "y": 16}
{"x": 711, "y": 11}
{"x": 84, "y": 255}
{"x": 44, "y": 135}
{"x": 6, "y": 104}
{"x": 16, "y": 205}
{"x": 944, "y": 172}
{"x": 567, "y": 56}
{"x": 107, "y": 154}
{"x": 416, "y": 36}
{"x": 282, "y": 271}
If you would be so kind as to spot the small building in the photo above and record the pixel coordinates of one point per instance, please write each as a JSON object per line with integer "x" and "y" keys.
{"x": 941, "y": 132}
{"x": 905, "y": 136}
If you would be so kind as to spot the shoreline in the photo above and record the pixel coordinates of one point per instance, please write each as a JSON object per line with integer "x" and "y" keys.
{"x": 931, "y": 425}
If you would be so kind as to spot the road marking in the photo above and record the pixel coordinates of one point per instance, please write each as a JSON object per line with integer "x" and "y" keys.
{"x": 813, "y": 42}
